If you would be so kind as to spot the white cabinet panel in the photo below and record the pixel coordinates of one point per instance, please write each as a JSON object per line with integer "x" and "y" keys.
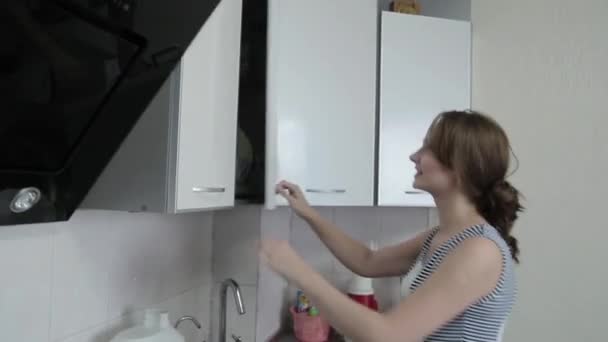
{"x": 321, "y": 99}
{"x": 180, "y": 156}
{"x": 208, "y": 107}
{"x": 425, "y": 69}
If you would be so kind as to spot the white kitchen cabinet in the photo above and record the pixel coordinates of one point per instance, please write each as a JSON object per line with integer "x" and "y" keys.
{"x": 321, "y": 99}
{"x": 425, "y": 68}
{"x": 180, "y": 156}
{"x": 208, "y": 113}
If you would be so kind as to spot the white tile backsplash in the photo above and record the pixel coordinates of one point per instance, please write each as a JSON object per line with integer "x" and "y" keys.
{"x": 193, "y": 302}
{"x": 86, "y": 279}
{"x": 235, "y": 235}
{"x": 81, "y": 267}
{"x": 157, "y": 262}
{"x": 25, "y": 288}
{"x": 306, "y": 243}
{"x": 362, "y": 224}
{"x": 400, "y": 224}
{"x": 74, "y": 281}
{"x": 275, "y": 224}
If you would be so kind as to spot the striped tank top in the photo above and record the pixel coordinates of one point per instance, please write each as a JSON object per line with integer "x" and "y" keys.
{"x": 484, "y": 320}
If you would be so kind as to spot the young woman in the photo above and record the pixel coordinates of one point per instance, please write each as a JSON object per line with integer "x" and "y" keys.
{"x": 464, "y": 287}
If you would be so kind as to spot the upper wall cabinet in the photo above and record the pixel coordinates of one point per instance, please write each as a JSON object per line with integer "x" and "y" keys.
{"x": 425, "y": 68}
{"x": 321, "y": 99}
{"x": 181, "y": 154}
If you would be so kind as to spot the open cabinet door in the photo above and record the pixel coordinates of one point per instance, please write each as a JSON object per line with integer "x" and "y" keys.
{"x": 321, "y": 100}
{"x": 208, "y": 109}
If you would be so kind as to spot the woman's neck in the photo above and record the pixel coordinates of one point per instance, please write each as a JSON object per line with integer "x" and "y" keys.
{"x": 456, "y": 213}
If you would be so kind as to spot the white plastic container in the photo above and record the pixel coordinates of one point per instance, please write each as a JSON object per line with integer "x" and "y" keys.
{"x": 156, "y": 327}
{"x": 360, "y": 286}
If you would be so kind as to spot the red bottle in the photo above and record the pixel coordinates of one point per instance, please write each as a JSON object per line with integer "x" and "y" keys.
{"x": 362, "y": 292}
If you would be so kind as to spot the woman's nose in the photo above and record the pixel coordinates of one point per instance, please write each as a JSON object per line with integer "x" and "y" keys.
{"x": 414, "y": 156}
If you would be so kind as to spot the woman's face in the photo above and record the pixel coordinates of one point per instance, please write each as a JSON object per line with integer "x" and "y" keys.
{"x": 431, "y": 175}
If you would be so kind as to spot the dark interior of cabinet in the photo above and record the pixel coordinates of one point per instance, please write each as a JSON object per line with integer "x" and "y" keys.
{"x": 252, "y": 103}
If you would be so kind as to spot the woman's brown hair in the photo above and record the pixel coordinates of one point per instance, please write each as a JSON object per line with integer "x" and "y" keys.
{"x": 477, "y": 149}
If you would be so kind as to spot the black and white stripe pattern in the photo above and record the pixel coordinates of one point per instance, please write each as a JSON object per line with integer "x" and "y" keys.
{"x": 483, "y": 321}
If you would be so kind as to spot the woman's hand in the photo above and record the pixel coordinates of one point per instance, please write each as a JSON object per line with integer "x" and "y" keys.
{"x": 282, "y": 258}
{"x": 297, "y": 201}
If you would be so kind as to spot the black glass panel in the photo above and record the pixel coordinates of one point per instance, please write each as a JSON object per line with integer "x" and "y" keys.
{"x": 60, "y": 61}
{"x": 75, "y": 75}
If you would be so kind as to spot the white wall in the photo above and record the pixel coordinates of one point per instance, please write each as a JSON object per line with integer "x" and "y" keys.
{"x": 541, "y": 68}
{"x": 82, "y": 280}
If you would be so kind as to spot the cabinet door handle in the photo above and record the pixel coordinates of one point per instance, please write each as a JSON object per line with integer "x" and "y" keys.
{"x": 414, "y": 192}
{"x": 208, "y": 189}
{"x": 326, "y": 191}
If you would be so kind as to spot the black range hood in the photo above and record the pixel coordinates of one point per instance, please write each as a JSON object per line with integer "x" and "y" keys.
{"x": 75, "y": 76}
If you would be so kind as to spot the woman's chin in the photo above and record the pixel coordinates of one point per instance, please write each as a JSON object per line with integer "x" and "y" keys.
{"x": 416, "y": 185}
{"x": 420, "y": 186}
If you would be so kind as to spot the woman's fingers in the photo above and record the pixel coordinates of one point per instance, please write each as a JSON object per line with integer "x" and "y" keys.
{"x": 285, "y": 194}
{"x": 289, "y": 189}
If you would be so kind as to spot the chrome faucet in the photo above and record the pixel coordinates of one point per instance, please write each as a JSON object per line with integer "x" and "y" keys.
{"x": 187, "y": 318}
{"x": 238, "y": 300}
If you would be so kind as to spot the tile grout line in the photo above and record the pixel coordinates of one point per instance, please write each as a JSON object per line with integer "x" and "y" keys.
{"x": 110, "y": 265}
{"x": 52, "y": 283}
{"x": 336, "y": 264}
{"x": 209, "y": 301}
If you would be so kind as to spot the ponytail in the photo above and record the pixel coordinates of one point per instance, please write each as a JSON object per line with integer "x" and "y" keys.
{"x": 500, "y": 207}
